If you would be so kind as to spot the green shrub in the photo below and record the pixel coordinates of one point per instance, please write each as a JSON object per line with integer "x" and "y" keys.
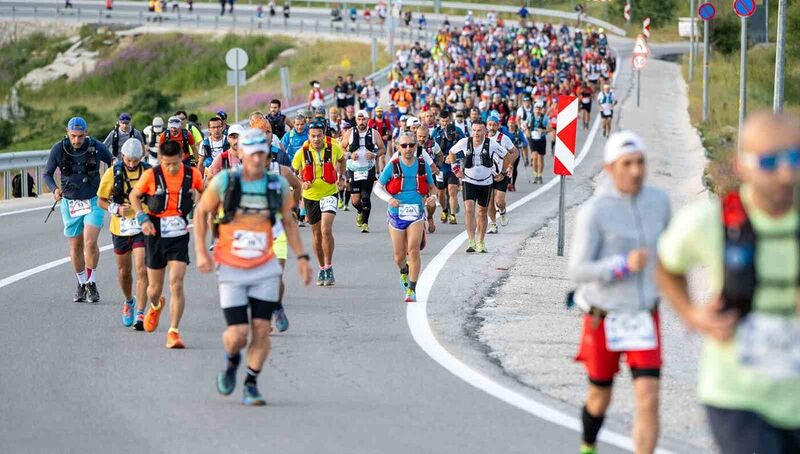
{"x": 149, "y": 102}
{"x": 660, "y": 12}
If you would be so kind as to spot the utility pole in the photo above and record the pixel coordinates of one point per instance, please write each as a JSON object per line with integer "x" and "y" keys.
{"x": 391, "y": 32}
{"x": 780, "y": 57}
{"x": 743, "y": 74}
{"x": 705, "y": 69}
{"x": 691, "y": 40}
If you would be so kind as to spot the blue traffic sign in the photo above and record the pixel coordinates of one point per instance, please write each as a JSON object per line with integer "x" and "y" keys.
{"x": 744, "y": 8}
{"x": 706, "y": 11}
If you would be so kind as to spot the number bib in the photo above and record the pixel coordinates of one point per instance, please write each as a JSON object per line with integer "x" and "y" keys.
{"x": 440, "y": 177}
{"x": 536, "y": 134}
{"x": 408, "y": 212}
{"x": 129, "y": 227}
{"x": 360, "y": 175}
{"x": 586, "y": 100}
{"x": 630, "y": 331}
{"x": 248, "y": 244}
{"x": 328, "y": 204}
{"x": 78, "y": 208}
{"x": 173, "y": 226}
{"x": 770, "y": 344}
{"x": 607, "y": 108}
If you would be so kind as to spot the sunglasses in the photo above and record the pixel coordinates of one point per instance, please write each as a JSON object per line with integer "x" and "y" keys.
{"x": 405, "y": 145}
{"x": 771, "y": 162}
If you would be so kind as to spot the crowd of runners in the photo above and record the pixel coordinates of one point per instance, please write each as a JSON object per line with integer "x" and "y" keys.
{"x": 463, "y": 117}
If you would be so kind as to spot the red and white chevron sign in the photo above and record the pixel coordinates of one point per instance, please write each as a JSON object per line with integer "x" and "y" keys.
{"x": 646, "y": 27}
{"x": 566, "y": 135}
{"x": 627, "y": 11}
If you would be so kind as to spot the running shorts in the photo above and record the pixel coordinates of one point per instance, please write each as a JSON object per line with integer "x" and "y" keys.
{"x": 73, "y": 225}
{"x": 501, "y": 185}
{"x": 314, "y": 208}
{"x": 610, "y": 114}
{"x": 125, "y": 244}
{"x": 257, "y": 287}
{"x": 540, "y": 146}
{"x": 357, "y": 187}
{"x": 479, "y": 193}
{"x": 587, "y": 106}
{"x": 402, "y": 224}
{"x": 161, "y": 251}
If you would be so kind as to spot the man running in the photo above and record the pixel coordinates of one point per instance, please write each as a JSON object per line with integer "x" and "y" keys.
{"x": 250, "y": 200}
{"x": 229, "y": 158}
{"x": 180, "y": 135}
{"x": 406, "y": 184}
{"x": 498, "y": 203}
{"x": 169, "y": 189}
{"x": 296, "y": 137}
{"x": 213, "y": 145}
{"x": 126, "y": 233}
{"x": 364, "y": 147}
{"x": 607, "y": 100}
{"x": 446, "y": 134}
{"x": 613, "y": 262}
{"x": 474, "y": 159}
{"x": 122, "y": 131}
{"x": 747, "y": 244}
{"x": 426, "y": 146}
{"x": 78, "y": 158}
{"x": 320, "y": 163}
{"x": 538, "y": 125}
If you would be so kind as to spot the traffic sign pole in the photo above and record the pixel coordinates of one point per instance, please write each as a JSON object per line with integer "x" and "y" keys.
{"x": 564, "y": 162}
{"x": 743, "y": 75}
{"x": 638, "y": 85}
{"x": 705, "y": 70}
{"x": 691, "y": 42}
{"x": 237, "y": 59}
{"x": 780, "y": 57}
{"x": 236, "y": 94}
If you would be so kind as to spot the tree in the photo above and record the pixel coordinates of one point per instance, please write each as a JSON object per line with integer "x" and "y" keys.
{"x": 660, "y": 12}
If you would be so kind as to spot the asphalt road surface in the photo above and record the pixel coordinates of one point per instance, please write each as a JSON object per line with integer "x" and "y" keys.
{"x": 348, "y": 376}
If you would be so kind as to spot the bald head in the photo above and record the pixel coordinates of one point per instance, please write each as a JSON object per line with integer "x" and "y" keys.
{"x": 766, "y": 132}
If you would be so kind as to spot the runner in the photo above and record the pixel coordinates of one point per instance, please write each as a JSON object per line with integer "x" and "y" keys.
{"x": 122, "y": 131}
{"x": 277, "y": 119}
{"x": 497, "y": 204}
{"x": 426, "y": 146}
{"x": 585, "y": 107}
{"x": 320, "y": 164}
{"x": 446, "y": 135}
{"x": 152, "y": 133}
{"x": 538, "y": 124}
{"x": 406, "y": 184}
{"x": 607, "y": 100}
{"x": 249, "y": 200}
{"x": 749, "y": 374}
{"x": 229, "y": 158}
{"x": 180, "y": 135}
{"x": 613, "y": 262}
{"x": 474, "y": 160}
{"x": 364, "y": 146}
{"x": 78, "y": 158}
{"x": 384, "y": 127}
{"x": 213, "y": 145}
{"x": 126, "y": 233}
{"x": 296, "y": 137}
{"x": 517, "y": 137}
{"x": 168, "y": 189}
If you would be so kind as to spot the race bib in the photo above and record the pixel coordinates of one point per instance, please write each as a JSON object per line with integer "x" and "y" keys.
{"x": 770, "y": 344}
{"x": 360, "y": 175}
{"x": 328, "y": 204}
{"x": 79, "y": 208}
{"x": 586, "y": 100}
{"x": 408, "y": 212}
{"x": 536, "y": 134}
{"x": 129, "y": 227}
{"x": 630, "y": 331}
{"x": 248, "y": 244}
{"x": 606, "y": 108}
{"x": 173, "y": 227}
{"x": 440, "y": 177}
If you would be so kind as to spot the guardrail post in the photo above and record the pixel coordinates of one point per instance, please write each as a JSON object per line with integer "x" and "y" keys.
{"x": 100, "y": 16}
{"x": 35, "y": 10}
{"x": 79, "y": 14}
{"x": 252, "y": 22}
{"x": 6, "y": 184}
{"x": 13, "y": 13}
{"x": 179, "y": 18}
{"x": 197, "y": 20}
{"x": 141, "y": 17}
{"x": 23, "y": 179}
{"x": 39, "y": 180}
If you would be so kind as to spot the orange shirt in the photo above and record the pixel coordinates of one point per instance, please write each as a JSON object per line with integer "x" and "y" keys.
{"x": 147, "y": 185}
{"x": 167, "y": 135}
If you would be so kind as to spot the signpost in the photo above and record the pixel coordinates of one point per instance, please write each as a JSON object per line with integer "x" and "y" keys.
{"x": 286, "y": 86}
{"x": 236, "y": 59}
{"x": 646, "y": 27}
{"x": 564, "y": 162}
{"x": 706, "y": 11}
{"x": 743, "y": 9}
{"x": 627, "y": 12}
{"x": 640, "y": 53}
{"x": 780, "y": 57}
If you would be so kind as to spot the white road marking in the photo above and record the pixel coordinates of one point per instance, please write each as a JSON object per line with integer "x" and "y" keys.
{"x": 26, "y": 210}
{"x": 27, "y": 273}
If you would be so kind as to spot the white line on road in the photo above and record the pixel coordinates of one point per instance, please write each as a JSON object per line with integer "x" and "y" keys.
{"x": 27, "y": 273}
{"x": 26, "y": 210}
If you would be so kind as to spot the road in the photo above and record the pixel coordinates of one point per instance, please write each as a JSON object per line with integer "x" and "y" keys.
{"x": 349, "y": 375}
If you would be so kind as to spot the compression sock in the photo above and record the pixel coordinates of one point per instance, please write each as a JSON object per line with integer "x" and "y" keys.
{"x": 81, "y": 277}
{"x": 233, "y": 360}
{"x": 366, "y": 208}
{"x": 591, "y": 426}
{"x": 346, "y": 197}
{"x": 90, "y": 275}
{"x": 412, "y": 285}
{"x": 252, "y": 375}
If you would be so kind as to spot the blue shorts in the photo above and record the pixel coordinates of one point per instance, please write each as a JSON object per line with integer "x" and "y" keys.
{"x": 73, "y": 226}
{"x": 396, "y": 223}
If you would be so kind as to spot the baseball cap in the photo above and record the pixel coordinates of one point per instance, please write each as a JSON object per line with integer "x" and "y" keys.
{"x": 236, "y": 129}
{"x": 321, "y": 110}
{"x": 174, "y": 122}
{"x": 77, "y": 124}
{"x": 253, "y": 141}
{"x": 362, "y": 113}
{"x": 622, "y": 143}
{"x": 378, "y": 109}
{"x": 538, "y": 104}
{"x": 412, "y": 121}
{"x": 124, "y": 117}
{"x": 132, "y": 149}
{"x": 222, "y": 114}
{"x": 158, "y": 124}
{"x": 482, "y": 105}
{"x": 494, "y": 116}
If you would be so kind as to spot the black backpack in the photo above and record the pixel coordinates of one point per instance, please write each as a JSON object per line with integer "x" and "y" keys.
{"x": 16, "y": 186}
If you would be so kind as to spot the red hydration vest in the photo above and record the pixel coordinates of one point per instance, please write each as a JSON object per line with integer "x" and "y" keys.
{"x": 328, "y": 170}
{"x": 395, "y": 184}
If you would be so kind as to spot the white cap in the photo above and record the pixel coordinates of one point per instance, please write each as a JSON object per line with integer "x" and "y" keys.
{"x": 482, "y": 105}
{"x": 253, "y": 141}
{"x": 362, "y": 113}
{"x": 412, "y": 121}
{"x": 158, "y": 123}
{"x": 132, "y": 149}
{"x": 236, "y": 129}
{"x": 622, "y": 143}
{"x": 174, "y": 122}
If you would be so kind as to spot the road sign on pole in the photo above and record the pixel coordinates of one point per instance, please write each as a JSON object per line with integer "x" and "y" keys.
{"x": 639, "y": 62}
{"x": 640, "y": 48}
{"x": 706, "y": 11}
{"x": 744, "y": 8}
{"x": 627, "y": 12}
{"x": 646, "y": 27}
{"x": 564, "y": 162}
{"x": 236, "y": 59}
{"x": 285, "y": 85}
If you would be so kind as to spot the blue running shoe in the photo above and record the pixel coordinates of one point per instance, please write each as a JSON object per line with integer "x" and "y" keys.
{"x": 226, "y": 381}
{"x": 330, "y": 281}
{"x": 281, "y": 322}
{"x": 251, "y": 396}
{"x": 128, "y": 312}
{"x": 411, "y": 296}
{"x": 404, "y": 281}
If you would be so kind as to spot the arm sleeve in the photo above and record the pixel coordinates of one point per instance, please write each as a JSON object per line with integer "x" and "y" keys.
{"x": 677, "y": 250}
{"x": 584, "y": 266}
{"x": 50, "y": 167}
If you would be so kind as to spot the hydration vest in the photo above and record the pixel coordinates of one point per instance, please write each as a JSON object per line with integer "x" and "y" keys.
{"x": 245, "y": 236}
{"x": 115, "y": 140}
{"x": 88, "y": 167}
{"x": 122, "y": 184}
{"x": 225, "y": 159}
{"x": 427, "y": 147}
{"x": 395, "y": 184}
{"x": 355, "y": 141}
{"x": 208, "y": 151}
{"x": 607, "y": 98}
{"x": 157, "y": 203}
{"x": 486, "y": 159}
{"x": 741, "y": 244}
{"x": 309, "y": 169}
{"x": 188, "y": 156}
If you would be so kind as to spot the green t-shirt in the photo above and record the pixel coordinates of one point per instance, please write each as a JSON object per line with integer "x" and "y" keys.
{"x": 695, "y": 238}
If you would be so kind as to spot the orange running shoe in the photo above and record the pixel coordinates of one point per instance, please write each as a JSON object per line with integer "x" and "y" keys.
{"x": 153, "y": 315}
{"x": 174, "y": 340}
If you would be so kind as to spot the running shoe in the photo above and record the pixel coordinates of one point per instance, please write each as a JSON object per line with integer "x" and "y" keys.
{"x": 346, "y": 207}
{"x": 174, "y": 340}
{"x": 251, "y": 396}
{"x": 330, "y": 281}
{"x": 281, "y": 321}
{"x": 404, "y": 281}
{"x": 302, "y": 223}
{"x": 321, "y": 278}
{"x": 153, "y": 315}
{"x": 92, "y": 295}
{"x": 588, "y": 450}
{"x": 359, "y": 218}
{"x": 444, "y": 216}
{"x": 480, "y": 246}
{"x": 80, "y": 294}
{"x": 492, "y": 228}
{"x": 365, "y": 228}
{"x": 502, "y": 218}
{"x": 127, "y": 312}
{"x": 341, "y": 204}
{"x": 226, "y": 381}
{"x": 139, "y": 324}
{"x": 470, "y": 246}
{"x": 453, "y": 219}
{"x": 411, "y": 296}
